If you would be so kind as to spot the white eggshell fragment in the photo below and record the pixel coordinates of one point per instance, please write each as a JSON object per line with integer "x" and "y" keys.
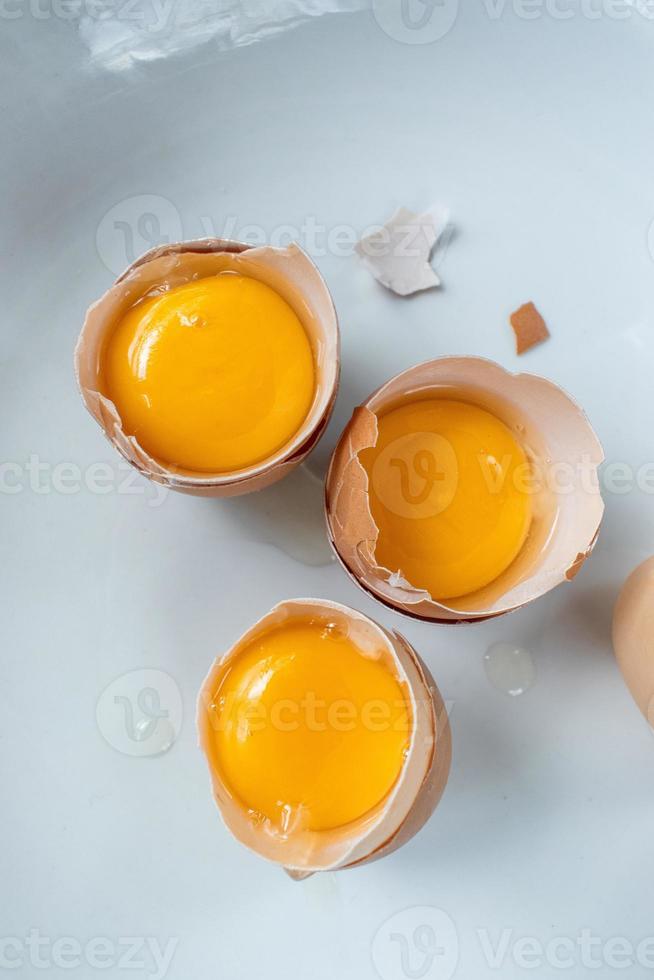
{"x": 398, "y": 253}
{"x": 564, "y": 454}
{"x": 411, "y": 801}
{"x": 633, "y": 636}
{"x": 292, "y": 274}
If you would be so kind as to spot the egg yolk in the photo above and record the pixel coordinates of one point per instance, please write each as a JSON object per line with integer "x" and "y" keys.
{"x": 212, "y": 376}
{"x": 449, "y": 492}
{"x": 309, "y": 732}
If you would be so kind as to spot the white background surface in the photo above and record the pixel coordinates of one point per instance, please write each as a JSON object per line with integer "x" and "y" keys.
{"x": 537, "y": 134}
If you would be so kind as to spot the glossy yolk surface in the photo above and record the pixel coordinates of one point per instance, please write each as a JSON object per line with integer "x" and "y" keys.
{"x": 449, "y": 492}
{"x": 309, "y": 733}
{"x": 212, "y": 376}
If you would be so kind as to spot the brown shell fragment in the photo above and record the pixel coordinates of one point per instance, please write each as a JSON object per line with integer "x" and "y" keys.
{"x": 435, "y": 781}
{"x": 529, "y": 327}
{"x": 576, "y": 566}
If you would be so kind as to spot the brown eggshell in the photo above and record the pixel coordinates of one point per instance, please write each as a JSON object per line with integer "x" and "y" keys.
{"x": 554, "y": 433}
{"x": 417, "y": 791}
{"x": 633, "y": 636}
{"x": 435, "y": 781}
{"x": 291, "y": 273}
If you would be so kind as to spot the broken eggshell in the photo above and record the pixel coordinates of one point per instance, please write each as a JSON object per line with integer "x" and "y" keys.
{"x": 398, "y": 254}
{"x": 292, "y": 274}
{"x": 416, "y": 793}
{"x": 633, "y": 636}
{"x": 555, "y": 434}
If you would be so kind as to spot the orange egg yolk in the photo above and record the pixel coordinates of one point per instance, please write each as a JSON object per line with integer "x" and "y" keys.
{"x": 212, "y": 376}
{"x": 309, "y": 732}
{"x": 449, "y": 491}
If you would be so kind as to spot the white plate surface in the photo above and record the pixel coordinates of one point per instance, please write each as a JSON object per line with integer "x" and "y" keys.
{"x": 535, "y": 129}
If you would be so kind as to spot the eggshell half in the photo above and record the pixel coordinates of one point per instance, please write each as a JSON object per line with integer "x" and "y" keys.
{"x": 291, "y": 273}
{"x": 414, "y": 796}
{"x": 633, "y": 636}
{"x": 561, "y": 447}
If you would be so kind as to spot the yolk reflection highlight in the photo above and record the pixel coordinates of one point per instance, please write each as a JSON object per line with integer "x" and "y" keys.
{"x": 309, "y": 732}
{"x": 449, "y": 492}
{"x": 212, "y": 376}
